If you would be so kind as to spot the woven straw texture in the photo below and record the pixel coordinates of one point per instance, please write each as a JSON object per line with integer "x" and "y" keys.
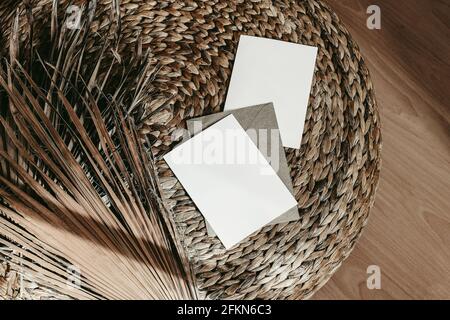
{"x": 336, "y": 171}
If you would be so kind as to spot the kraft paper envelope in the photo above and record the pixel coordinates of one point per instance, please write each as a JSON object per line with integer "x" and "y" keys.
{"x": 281, "y": 72}
{"x": 256, "y": 118}
{"x": 230, "y": 181}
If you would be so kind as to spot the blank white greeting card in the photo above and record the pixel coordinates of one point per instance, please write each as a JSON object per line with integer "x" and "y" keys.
{"x": 267, "y": 70}
{"x": 230, "y": 181}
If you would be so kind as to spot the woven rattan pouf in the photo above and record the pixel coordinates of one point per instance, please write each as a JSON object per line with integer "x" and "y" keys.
{"x": 335, "y": 173}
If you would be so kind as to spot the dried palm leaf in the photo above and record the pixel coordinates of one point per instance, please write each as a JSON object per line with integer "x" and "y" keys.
{"x": 80, "y": 207}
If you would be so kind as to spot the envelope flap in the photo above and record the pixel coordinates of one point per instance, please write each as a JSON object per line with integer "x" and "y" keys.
{"x": 263, "y": 115}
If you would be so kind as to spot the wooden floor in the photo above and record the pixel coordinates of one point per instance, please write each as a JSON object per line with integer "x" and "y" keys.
{"x": 408, "y": 235}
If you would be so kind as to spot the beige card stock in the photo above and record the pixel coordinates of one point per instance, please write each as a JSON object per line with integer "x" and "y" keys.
{"x": 230, "y": 181}
{"x": 261, "y": 125}
{"x": 267, "y": 70}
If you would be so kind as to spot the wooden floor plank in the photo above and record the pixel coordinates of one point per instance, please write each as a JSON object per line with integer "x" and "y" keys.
{"x": 408, "y": 234}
